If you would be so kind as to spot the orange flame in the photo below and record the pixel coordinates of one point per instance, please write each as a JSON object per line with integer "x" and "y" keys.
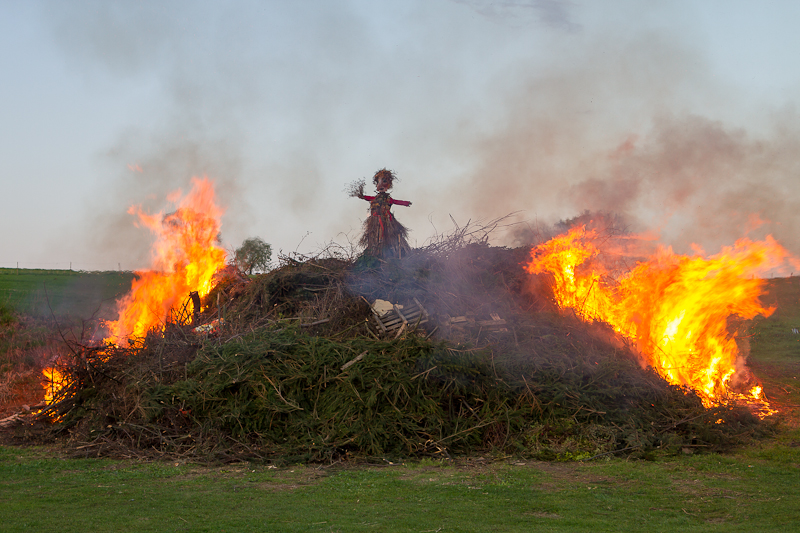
{"x": 53, "y": 382}
{"x": 185, "y": 258}
{"x": 674, "y": 308}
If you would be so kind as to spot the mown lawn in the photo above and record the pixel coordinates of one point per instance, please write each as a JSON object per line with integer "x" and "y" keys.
{"x": 757, "y": 489}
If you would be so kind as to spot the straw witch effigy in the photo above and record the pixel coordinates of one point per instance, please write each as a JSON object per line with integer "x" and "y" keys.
{"x": 383, "y": 235}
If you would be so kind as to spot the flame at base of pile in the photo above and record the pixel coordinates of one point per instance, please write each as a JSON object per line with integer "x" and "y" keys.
{"x": 185, "y": 257}
{"x": 673, "y": 308}
{"x": 52, "y": 382}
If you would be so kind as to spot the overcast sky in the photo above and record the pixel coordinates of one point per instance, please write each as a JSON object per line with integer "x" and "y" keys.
{"x": 681, "y": 116}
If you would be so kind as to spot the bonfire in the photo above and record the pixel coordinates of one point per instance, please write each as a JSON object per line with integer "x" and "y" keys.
{"x": 185, "y": 257}
{"x": 644, "y": 360}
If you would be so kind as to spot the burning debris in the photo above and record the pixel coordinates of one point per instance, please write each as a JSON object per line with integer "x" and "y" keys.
{"x": 674, "y": 309}
{"x": 186, "y": 256}
{"x": 383, "y": 235}
{"x": 444, "y": 349}
{"x": 486, "y": 366}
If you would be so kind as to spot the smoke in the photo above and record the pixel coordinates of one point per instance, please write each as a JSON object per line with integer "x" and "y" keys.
{"x": 700, "y": 181}
{"x": 556, "y": 14}
{"x": 628, "y": 137}
{"x": 483, "y": 108}
{"x": 197, "y": 132}
{"x": 154, "y": 172}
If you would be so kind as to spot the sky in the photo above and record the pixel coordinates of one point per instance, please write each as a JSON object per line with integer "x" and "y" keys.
{"x": 680, "y": 116}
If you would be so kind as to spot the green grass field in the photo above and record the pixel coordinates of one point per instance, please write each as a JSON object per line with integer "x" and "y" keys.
{"x": 61, "y": 293}
{"x": 775, "y": 349}
{"x": 774, "y": 341}
{"x": 753, "y": 488}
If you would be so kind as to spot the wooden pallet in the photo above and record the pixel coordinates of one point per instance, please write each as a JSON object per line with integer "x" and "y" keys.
{"x": 398, "y": 320}
{"x": 496, "y": 323}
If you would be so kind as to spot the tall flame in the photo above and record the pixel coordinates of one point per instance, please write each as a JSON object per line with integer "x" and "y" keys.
{"x": 185, "y": 257}
{"x": 674, "y": 308}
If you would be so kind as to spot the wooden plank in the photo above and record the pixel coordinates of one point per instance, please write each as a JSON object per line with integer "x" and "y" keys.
{"x": 406, "y": 318}
{"x": 424, "y": 311}
{"x": 316, "y": 323}
{"x": 397, "y": 318}
{"x": 412, "y": 320}
{"x": 401, "y": 330}
{"x": 399, "y": 313}
{"x": 379, "y": 321}
{"x": 399, "y": 323}
{"x": 490, "y": 323}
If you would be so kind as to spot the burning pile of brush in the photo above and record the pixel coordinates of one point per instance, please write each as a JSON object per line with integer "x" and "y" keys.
{"x": 562, "y": 358}
{"x": 674, "y": 309}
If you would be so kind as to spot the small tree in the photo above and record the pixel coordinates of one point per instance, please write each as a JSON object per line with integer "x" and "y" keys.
{"x": 253, "y": 254}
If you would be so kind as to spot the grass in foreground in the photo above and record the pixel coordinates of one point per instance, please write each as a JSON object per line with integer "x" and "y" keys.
{"x": 759, "y": 488}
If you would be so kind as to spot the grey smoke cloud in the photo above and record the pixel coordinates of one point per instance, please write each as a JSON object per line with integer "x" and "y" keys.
{"x": 555, "y": 14}
{"x": 626, "y": 136}
{"x": 531, "y": 106}
{"x": 704, "y": 182}
{"x": 282, "y": 101}
{"x": 158, "y": 167}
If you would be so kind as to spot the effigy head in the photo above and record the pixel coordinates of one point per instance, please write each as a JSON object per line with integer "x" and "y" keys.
{"x": 383, "y": 179}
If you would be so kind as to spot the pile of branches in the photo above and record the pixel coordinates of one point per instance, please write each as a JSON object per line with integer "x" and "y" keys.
{"x": 280, "y": 393}
{"x": 294, "y": 372}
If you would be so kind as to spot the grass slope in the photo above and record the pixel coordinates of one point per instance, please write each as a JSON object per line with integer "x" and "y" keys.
{"x": 774, "y": 341}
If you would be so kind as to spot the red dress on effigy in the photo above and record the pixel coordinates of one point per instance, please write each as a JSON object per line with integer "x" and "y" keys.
{"x": 383, "y": 235}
